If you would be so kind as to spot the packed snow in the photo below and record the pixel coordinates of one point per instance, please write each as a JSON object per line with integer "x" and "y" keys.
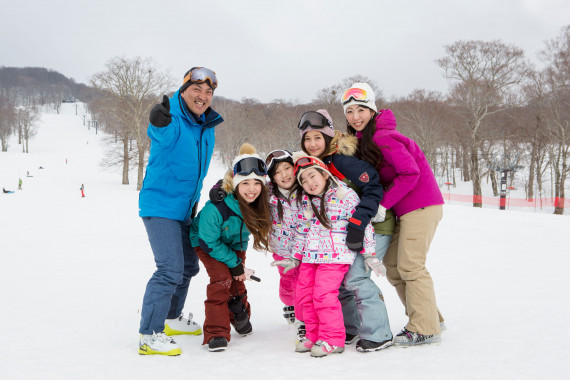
{"x": 73, "y": 273}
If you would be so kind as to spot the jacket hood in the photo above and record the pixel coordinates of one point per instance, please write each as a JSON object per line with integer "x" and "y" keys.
{"x": 343, "y": 144}
{"x": 228, "y": 182}
{"x": 386, "y": 119}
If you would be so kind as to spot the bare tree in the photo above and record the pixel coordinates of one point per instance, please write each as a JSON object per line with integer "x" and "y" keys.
{"x": 106, "y": 111}
{"x": 485, "y": 75}
{"x": 557, "y": 56}
{"x": 132, "y": 85}
{"x": 533, "y": 120}
{"x": 26, "y": 119}
{"x": 7, "y": 116}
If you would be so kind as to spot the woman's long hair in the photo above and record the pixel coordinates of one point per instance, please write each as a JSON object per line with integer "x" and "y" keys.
{"x": 367, "y": 149}
{"x": 322, "y": 213}
{"x": 328, "y": 140}
{"x": 257, "y": 218}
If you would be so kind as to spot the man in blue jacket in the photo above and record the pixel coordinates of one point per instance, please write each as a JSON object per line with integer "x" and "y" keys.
{"x": 181, "y": 131}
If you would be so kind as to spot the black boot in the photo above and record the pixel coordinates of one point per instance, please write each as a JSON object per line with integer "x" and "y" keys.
{"x": 241, "y": 323}
{"x": 217, "y": 344}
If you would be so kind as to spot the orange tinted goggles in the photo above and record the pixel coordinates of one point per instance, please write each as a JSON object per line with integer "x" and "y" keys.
{"x": 357, "y": 94}
{"x": 201, "y": 75}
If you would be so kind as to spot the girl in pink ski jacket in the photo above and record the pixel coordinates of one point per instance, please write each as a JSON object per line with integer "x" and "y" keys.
{"x": 325, "y": 207}
{"x": 412, "y": 192}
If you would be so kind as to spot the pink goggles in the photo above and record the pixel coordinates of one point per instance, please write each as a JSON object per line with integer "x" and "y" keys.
{"x": 357, "y": 94}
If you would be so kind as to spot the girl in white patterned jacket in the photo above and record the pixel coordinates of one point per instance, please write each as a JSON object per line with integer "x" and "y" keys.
{"x": 283, "y": 214}
{"x": 320, "y": 251}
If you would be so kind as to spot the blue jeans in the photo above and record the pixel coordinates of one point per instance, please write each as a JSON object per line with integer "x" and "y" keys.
{"x": 176, "y": 263}
{"x": 362, "y": 301}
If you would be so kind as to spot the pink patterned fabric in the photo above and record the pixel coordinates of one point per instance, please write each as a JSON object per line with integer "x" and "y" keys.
{"x": 316, "y": 244}
{"x": 281, "y": 240}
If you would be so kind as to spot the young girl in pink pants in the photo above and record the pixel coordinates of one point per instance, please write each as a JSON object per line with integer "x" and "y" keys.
{"x": 320, "y": 251}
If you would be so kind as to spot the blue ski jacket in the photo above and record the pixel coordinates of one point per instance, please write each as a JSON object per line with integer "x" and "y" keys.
{"x": 179, "y": 159}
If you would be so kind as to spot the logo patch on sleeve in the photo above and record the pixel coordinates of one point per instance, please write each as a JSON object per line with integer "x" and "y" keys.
{"x": 364, "y": 177}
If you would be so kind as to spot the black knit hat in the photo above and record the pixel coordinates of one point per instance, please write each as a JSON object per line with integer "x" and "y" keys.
{"x": 187, "y": 83}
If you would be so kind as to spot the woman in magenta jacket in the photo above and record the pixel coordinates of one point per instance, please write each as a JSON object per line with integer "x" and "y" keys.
{"x": 412, "y": 192}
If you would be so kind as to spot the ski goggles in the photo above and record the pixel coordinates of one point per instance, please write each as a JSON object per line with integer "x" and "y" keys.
{"x": 355, "y": 93}
{"x": 314, "y": 120}
{"x": 201, "y": 75}
{"x": 250, "y": 164}
{"x": 276, "y": 155}
{"x": 306, "y": 161}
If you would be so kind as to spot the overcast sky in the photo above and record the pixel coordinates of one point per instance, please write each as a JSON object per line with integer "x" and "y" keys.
{"x": 272, "y": 49}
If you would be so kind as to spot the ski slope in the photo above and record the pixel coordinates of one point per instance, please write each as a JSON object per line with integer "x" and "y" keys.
{"x": 73, "y": 272}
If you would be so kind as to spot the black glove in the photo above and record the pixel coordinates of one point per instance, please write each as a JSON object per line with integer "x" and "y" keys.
{"x": 194, "y": 211}
{"x": 354, "y": 239}
{"x": 237, "y": 270}
{"x": 160, "y": 115}
{"x": 217, "y": 194}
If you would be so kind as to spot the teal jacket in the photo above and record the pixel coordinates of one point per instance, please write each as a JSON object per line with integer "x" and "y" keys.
{"x": 219, "y": 230}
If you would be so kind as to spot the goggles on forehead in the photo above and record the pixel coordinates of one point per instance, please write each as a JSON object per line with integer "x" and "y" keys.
{"x": 357, "y": 94}
{"x": 201, "y": 75}
{"x": 250, "y": 164}
{"x": 314, "y": 120}
{"x": 303, "y": 162}
{"x": 275, "y": 156}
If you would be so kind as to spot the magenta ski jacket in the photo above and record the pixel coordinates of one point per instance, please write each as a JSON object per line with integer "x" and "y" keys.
{"x": 409, "y": 183}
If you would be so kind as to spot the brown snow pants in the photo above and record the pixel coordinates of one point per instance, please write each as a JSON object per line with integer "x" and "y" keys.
{"x": 405, "y": 262}
{"x": 220, "y": 290}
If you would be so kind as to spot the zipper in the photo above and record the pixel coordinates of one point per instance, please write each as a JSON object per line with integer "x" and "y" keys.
{"x": 199, "y": 147}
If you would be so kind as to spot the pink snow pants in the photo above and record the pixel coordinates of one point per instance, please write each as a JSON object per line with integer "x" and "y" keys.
{"x": 288, "y": 287}
{"x": 317, "y": 296}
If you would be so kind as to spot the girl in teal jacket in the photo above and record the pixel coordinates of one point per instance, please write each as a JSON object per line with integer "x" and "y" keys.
{"x": 220, "y": 234}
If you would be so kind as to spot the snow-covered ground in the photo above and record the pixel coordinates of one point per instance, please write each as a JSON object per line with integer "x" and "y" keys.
{"x": 73, "y": 272}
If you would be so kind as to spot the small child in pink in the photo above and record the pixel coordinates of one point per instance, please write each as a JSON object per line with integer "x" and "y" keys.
{"x": 320, "y": 252}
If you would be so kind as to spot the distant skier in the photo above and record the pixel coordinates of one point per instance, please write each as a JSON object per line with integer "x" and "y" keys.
{"x": 19, "y": 184}
{"x": 82, "y": 193}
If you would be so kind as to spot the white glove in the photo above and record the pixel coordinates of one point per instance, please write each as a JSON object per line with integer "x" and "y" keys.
{"x": 372, "y": 262}
{"x": 287, "y": 264}
{"x": 248, "y": 273}
{"x": 380, "y": 215}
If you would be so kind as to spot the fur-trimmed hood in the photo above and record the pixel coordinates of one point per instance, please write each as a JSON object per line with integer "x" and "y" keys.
{"x": 228, "y": 182}
{"x": 343, "y": 144}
